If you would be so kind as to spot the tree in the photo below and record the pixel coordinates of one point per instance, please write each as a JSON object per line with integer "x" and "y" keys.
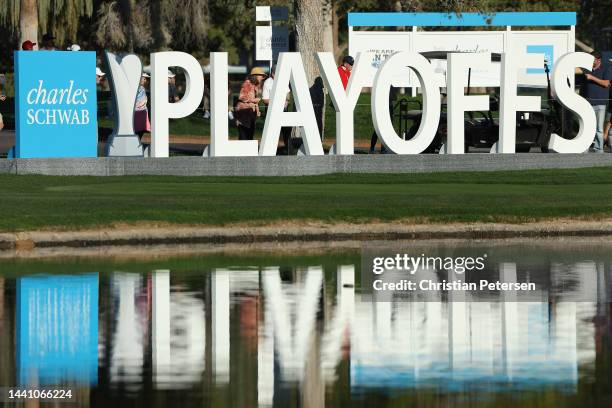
{"x": 309, "y": 28}
{"x": 28, "y": 21}
{"x": 28, "y": 17}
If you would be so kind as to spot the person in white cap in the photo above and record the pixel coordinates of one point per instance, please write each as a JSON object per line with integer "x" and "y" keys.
{"x": 172, "y": 94}
{"x": 141, "y": 114}
{"x": 74, "y": 47}
{"x": 99, "y": 76}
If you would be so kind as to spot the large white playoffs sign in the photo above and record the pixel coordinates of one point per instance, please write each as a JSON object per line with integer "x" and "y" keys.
{"x": 290, "y": 71}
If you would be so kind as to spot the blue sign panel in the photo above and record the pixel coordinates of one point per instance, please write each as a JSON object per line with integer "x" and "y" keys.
{"x": 549, "y": 54}
{"x": 56, "y": 108}
{"x": 57, "y": 329}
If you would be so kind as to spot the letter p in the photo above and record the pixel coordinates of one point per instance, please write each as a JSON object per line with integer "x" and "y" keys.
{"x": 161, "y": 109}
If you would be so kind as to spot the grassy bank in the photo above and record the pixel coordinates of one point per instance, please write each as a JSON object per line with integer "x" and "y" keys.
{"x": 34, "y": 202}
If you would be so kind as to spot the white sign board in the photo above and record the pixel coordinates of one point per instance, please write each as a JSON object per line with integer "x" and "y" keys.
{"x": 553, "y": 44}
{"x": 470, "y": 41}
{"x": 380, "y": 45}
{"x": 270, "y": 41}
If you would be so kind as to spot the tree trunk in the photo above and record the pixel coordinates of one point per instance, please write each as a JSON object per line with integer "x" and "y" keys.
{"x": 335, "y": 28}
{"x": 127, "y": 8}
{"x": 328, "y": 21}
{"x": 309, "y": 27}
{"x": 160, "y": 37}
{"x": 28, "y": 21}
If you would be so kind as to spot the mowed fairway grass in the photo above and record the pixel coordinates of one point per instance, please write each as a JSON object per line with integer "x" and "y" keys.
{"x": 45, "y": 202}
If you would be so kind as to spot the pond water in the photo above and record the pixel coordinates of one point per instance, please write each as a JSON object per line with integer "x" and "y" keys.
{"x": 290, "y": 326}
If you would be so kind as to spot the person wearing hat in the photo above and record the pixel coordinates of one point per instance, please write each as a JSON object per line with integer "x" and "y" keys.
{"x": 74, "y": 47}
{"x": 596, "y": 91}
{"x": 247, "y": 108}
{"x": 345, "y": 69}
{"x": 172, "y": 93}
{"x": 99, "y": 76}
{"x": 141, "y": 114}
{"x": 48, "y": 43}
{"x": 28, "y": 45}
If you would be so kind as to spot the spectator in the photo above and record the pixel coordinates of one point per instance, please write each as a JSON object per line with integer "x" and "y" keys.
{"x": 99, "y": 76}
{"x": 2, "y": 98}
{"x": 28, "y": 45}
{"x": 608, "y": 121}
{"x": 345, "y": 70}
{"x": 596, "y": 92}
{"x": 266, "y": 95}
{"x": 374, "y": 138}
{"x": 74, "y": 47}
{"x": 247, "y": 108}
{"x": 48, "y": 43}
{"x": 141, "y": 114}
{"x": 172, "y": 93}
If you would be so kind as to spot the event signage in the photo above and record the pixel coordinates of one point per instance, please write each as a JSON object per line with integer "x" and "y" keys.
{"x": 56, "y": 113}
{"x": 290, "y": 70}
{"x": 551, "y": 42}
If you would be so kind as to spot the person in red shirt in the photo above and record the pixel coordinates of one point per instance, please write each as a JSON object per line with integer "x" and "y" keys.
{"x": 345, "y": 70}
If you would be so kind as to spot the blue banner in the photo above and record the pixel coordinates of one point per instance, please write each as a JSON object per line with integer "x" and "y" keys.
{"x": 55, "y": 104}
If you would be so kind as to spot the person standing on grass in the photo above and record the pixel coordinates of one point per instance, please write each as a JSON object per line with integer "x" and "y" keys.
{"x": 172, "y": 92}
{"x": 141, "y": 114}
{"x": 2, "y": 98}
{"x": 374, "y": 137}
{"x": 596, "y": 91}
{"x": 247, "y": 108}
{"x": 344, "y": 70}
{"x": 266, "y": 95}
{"x": 608, "y": 121}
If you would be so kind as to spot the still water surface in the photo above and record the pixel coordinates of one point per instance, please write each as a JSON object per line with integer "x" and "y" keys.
{"x": 219, "y": 329}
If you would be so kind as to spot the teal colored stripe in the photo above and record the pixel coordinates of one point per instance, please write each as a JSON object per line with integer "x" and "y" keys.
{"x": 462, "y": 20}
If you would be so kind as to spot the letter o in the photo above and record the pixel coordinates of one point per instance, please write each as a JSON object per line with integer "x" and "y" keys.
{"x": 395, "y": 65}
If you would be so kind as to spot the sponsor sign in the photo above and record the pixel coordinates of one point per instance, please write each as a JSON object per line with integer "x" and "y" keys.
{"x": 270, "y": 42}
{"x": 56, "y": 112}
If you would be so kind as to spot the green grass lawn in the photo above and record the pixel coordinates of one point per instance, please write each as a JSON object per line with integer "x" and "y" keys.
{"x": 32, "y": 202}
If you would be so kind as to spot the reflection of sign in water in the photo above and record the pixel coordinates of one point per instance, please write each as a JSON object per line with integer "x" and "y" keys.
{"x": 57, "y": 329}
{"x": 56, "y": 107}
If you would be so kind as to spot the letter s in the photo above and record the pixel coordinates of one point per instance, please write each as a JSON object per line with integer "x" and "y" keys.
{"x": 563, "y": 69}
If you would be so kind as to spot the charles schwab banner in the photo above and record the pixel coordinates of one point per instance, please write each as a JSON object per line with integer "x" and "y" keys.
{"x": 57, "y": 111}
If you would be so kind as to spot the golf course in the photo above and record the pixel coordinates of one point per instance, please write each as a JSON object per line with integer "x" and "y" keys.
{"x": 75, "y": 203}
